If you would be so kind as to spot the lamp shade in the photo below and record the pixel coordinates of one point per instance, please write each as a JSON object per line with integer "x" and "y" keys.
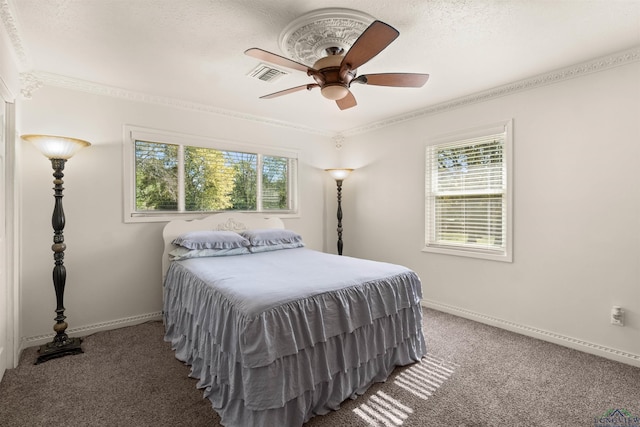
{"x": 339, "y": 174}
{"x": 334, "y": 92}
{"x": 56, "y": 147}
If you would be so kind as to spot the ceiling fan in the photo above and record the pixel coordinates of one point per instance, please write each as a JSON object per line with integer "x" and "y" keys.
{"x": 335, "y": 73}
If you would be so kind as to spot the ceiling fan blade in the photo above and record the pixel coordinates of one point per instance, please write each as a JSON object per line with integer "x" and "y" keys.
{"x": 263, "y": 55}
{"x": 370, "y": 43}
{"x": 347, "y": 102}
{"x": 288, "y": 91}
{"x": 393, "y": 79}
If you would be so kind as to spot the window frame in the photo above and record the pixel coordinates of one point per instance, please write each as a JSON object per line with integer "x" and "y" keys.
{"x": 132, "y": 133}
{"x": 506, "y": 255}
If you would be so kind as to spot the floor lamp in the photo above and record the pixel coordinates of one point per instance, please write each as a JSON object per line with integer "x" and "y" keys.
{"x": 339, "y": 175}
{"x": 58, "y": 150}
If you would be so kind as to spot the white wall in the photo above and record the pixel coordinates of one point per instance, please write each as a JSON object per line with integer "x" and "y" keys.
{"x": 113, "y": 268}
{"x": 576, "y": 212}
{"x": 576, "y": 251}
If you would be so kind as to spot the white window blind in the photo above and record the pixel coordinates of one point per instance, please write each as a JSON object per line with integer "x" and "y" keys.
{"x": 467, "y": 201}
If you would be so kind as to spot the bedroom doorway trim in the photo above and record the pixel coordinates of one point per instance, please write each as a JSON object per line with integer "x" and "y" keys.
{"x": 9, "y": 232}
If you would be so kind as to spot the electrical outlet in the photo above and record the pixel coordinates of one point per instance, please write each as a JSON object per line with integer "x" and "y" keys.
{"x": 617, "y": 316}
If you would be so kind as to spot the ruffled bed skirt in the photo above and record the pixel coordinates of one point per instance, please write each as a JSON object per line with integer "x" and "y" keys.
{"x": 292, "y": 388}
{"x": 319, "y": 378}
{"x": 324, "y": 397}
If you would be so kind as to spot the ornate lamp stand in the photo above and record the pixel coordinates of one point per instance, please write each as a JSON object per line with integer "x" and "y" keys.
{"x": 58, "y": 150}
{"x": 339, "y": 175}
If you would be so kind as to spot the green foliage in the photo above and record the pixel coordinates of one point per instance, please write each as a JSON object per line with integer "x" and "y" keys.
{"x": 274, "y": 183}
{"x": 156, "y": 176}
{"x": 244, "y": 194}
{"x": 461, "y": 158}
{"x": 208, "y": 180}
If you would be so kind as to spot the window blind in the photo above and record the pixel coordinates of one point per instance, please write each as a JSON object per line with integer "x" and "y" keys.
{"x": 466, "y": 194}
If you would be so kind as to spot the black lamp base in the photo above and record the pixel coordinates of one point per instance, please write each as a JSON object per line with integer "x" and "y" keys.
{"x": 54, "y": 350}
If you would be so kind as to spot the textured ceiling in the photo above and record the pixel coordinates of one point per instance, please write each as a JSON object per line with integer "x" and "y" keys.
{"x": 192, "y": 50}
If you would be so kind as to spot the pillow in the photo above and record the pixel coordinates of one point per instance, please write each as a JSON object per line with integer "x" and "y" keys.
{"x": 271, "y": 236}
{"x": 184, "y": 253}
{"x": 205, "y": 239}
{"x": 266, "y": 248}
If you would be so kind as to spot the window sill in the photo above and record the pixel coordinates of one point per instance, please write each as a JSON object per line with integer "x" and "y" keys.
{"x": 187, "y": 216}
{"x": 470, "y": 253}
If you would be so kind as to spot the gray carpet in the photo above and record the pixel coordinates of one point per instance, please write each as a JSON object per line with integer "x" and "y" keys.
{"x": 473, "y": 375}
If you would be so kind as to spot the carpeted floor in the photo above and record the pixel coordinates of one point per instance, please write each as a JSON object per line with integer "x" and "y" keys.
{"x": 473, "y": 375}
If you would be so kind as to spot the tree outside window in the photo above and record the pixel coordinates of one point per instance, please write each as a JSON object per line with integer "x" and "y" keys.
{"x": 181, "y": 178}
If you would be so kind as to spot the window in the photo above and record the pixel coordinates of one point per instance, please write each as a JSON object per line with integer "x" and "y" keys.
{"x": 468, "y": 194}
{"x": 173, "y": 175}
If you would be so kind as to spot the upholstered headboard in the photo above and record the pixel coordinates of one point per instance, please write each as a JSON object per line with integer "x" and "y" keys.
{"x": 229, "y": 221}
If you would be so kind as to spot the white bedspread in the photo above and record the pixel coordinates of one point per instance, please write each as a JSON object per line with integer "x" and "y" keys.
{"x": 280, "y": 336}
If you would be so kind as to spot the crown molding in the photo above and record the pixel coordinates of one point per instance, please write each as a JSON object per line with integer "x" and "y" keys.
{"x": 34, "y": 80}
{"x": 593, "y": 66}
{"x": 29, "y": 82}
{"x": 9, "y": 21}
{"x": 37, "y": 79}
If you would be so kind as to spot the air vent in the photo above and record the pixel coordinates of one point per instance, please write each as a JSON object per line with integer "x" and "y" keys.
{"x": 267, "y": 73}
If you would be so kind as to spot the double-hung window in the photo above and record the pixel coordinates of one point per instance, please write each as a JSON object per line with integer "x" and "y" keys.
{"x": 468, "y": 194}
{"x": 170, "y": 175}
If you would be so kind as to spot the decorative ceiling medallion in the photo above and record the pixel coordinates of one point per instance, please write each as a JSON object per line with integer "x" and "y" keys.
{"x": 306, "y": 39}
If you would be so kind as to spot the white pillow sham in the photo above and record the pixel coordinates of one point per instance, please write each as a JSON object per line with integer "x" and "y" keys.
{"x": 206, "y": 239}
{"x": 270, "y": 236}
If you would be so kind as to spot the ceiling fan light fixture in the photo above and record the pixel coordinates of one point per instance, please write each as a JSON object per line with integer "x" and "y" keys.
{"x": 328, "y": 61}
{"x": 334, "y": 71}
{"x": 334, "y": 92}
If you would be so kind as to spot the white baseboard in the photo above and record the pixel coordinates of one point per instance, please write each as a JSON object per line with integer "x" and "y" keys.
{"x": 81, "y": 331}
{"x": 574, "y": 343}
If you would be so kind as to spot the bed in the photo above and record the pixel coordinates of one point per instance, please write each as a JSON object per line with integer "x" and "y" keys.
{"x": 277, "y": 333}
